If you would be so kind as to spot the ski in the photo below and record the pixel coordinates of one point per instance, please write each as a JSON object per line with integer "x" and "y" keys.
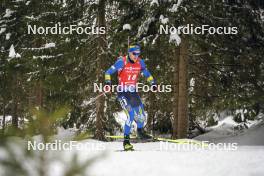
{"x": 134, "y": 139}
{"x": 183, "y": 141}
{"x": 119, "y": 137}
{"x": 122, "y": 150}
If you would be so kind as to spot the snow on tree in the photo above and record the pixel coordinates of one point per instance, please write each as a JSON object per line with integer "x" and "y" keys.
{"x": 12, "y": 52}
{"x": 126, "y": 27}
{"x": 175, "y": 38}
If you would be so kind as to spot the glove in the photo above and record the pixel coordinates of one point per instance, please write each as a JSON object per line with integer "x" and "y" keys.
{"x": 107, "y": 87}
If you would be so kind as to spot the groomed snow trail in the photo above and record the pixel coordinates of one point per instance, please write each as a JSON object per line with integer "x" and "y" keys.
{"x": 150, "y": 159}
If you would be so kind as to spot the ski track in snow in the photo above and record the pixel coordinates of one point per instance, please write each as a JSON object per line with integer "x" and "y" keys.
{"x": 148, "y": 159}
{"x": 153, "y": 160}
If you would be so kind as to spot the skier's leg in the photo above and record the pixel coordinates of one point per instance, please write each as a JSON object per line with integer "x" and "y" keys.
{"x": 140, "y": 123}
{"x": 139, "y": 110}
{"x": 140, "y": 116}
{"x": 129, "y": 112}
{"x": 124, "y": 101}
{"x": 130, "y": 118}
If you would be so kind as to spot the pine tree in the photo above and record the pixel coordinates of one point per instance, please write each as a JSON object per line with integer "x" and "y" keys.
{"x": 100, "y": 103}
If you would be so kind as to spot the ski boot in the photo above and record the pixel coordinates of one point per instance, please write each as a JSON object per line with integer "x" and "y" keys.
{"x": 141, "y": 134}
{"x": 127, "y": 145}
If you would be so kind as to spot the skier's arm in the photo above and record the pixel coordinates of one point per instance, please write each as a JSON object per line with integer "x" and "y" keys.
{"x": 146, "y": 73}
{"x": 118, "y": 65}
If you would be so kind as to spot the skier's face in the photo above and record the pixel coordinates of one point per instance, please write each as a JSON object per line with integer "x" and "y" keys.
{"x": 134, "y": 56}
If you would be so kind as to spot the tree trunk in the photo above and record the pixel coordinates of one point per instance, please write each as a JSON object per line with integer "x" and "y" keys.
{"x": 4, "y": 116}
{"x": 102, "y": 47}
{"x": 180, "y": 108}
{"x": 175, "y": 92}
{"x": 15, "y": 101}
{"x": 183, "y": 91}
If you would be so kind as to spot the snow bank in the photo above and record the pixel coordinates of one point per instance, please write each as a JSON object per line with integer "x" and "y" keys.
{"x": 65, "y": 134}
{"x": 226, "y": 124}
{"x": 225, "y": 131}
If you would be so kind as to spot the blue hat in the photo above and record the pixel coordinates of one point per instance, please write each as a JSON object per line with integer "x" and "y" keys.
{"x": 134, "y": 49}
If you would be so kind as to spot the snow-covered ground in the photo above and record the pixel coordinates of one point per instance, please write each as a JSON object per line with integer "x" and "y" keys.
{"x": 150, "y": 160}
{"x": 226, "y": 132}
{"x": 153, "y": 159}
{"x": 159, "y": 158}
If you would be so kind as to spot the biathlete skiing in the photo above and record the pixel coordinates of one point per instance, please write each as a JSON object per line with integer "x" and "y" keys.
{"x": 129, "y": 68}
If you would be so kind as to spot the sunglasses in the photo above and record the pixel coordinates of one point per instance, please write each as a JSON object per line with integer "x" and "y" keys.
{"x": 135, "y": 54}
